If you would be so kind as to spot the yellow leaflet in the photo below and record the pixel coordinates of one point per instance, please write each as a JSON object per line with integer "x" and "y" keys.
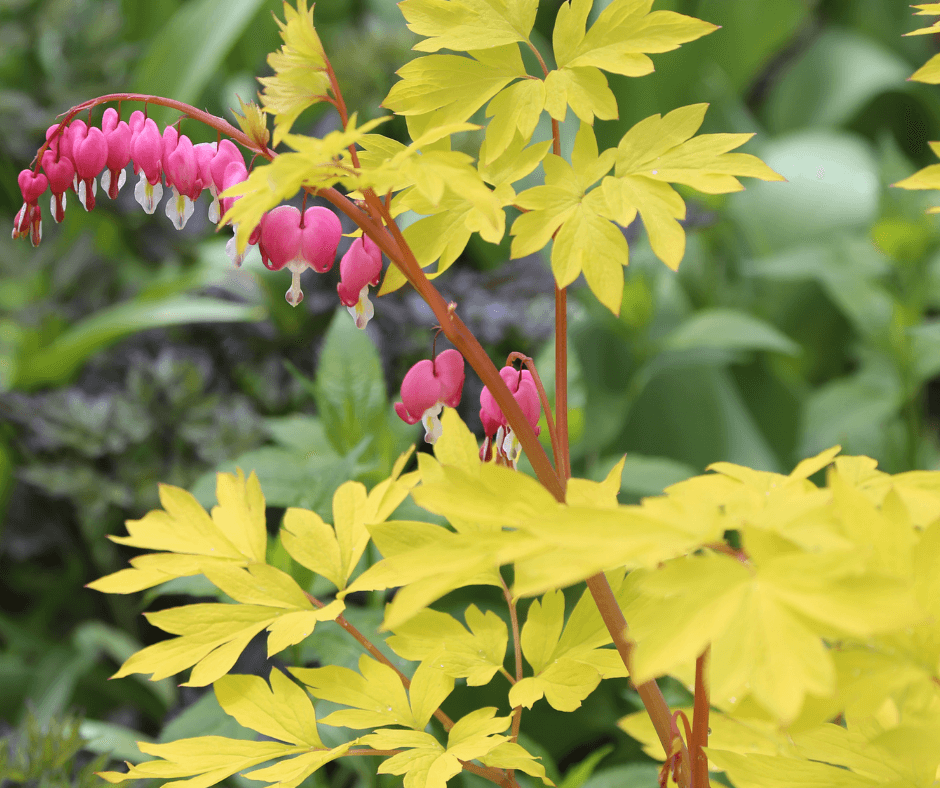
{"x": 513, "y": 756}
{"x": 585, "y": 90}
{"x": 300, "y": 79}
{"x": 622, "y": 32}
{"x": 514, "y": 111}
{"x": 460, "y": 84}
{"x": 254, "y": 122}
{"x": 457, "y": 446}
{"x": 234, "y": 534}
{"x": 583, "y": 492}
{"x": 259, "y": 584}
{"x": 291, "y": 772}
{"x": 463, "y": 25}
{"x": 440, "y": 639}
{"x": 513, "y": 164}
{"x": 212, "y": 636}
{"x": 725, "y": 733}
{"x": 764, "y": 625}
{"x": 207, "y": 759}
{"x": 660, "y": 149}
{"x": 376, "y": 694}
{"x": 425, "y": 762}
{"x": 568, "y": 665}
{"x": 282, "y": 711}
{"x": 334, "y": 552}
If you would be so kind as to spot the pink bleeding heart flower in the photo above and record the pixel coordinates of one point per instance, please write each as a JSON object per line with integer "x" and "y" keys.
{"x": 235, "y": 172}
{"x": 320, "y": 238}
{"x": 497, "y": 429}
{"x": 299, "y": 242}
{"x": 60, "y": 171}
{"x": 118, "y": 136}
{"x": 427, "y": 387}
{"x": 225, "y": 155}
{"x": 75, "y": 131}
{"x": 182, "y": 175}
{"x": 90, "y": 154}
{"x": 360, "y": 267}
{"x": 28, "y": 220}
{"x": 147, "y": 152}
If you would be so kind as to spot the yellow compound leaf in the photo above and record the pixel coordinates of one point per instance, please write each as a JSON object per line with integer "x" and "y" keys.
{"x": 282, "y": 711}
{"x": 660, "y": 149}
{"x": 568, "y": 661}
{"x": 300, "y": 79}
{"x": 234, "y": 535}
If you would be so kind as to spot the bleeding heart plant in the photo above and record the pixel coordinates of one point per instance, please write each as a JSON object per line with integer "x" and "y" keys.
{"x": 805, "y": 620}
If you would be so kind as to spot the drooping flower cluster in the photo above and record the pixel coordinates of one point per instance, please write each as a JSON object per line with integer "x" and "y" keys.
{"x": 78, "y": 153}
{"x": 499, "y": 434}
{"x": 428, "y": 386}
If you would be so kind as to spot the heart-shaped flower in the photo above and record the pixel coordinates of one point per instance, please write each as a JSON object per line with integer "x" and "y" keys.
{"x": 427, "y": 387}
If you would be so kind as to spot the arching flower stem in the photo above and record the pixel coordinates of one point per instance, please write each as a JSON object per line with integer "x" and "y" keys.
{"x": 543, "y": 398}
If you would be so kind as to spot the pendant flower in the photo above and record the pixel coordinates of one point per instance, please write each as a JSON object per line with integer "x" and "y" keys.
{"x": 498, "y": 432}
{"x": 289, "y": 240}
{"x": 427, "y": 388}
{"x": 360, "y": 267}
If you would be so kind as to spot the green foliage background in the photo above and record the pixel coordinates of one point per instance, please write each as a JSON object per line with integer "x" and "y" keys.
{"x": 803, "y": 315}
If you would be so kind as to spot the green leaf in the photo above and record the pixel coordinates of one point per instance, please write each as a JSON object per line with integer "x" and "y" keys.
{"x": 832, "y": 81}
{"x": 182, "y": 58}
{"x": 729, "y": 329}
{"x": 578, "y": 775}
{"x": 61, "y": 360}
{"x": 351, "y": 388}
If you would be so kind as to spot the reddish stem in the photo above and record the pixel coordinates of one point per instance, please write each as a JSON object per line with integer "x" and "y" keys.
{"x": 699, "y": 737}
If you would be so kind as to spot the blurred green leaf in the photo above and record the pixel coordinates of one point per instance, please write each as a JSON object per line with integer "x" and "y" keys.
{"x": 289, "y": 477}
{"x": 832, "y": 81}
{"x": 59, "y": 361}
{"x": 577, "y": 775}
{"x": 184, "y": 57}
{"x": 697, "y": 416}
{"x": 634, "y": 775}
{"x": 349, "y": 385}
{"x": 832, "y": 184}
{"x": 729, "y": 329}
{"x": 204, "y": 718}
{"x": 116, "y": 741}
{"x": 851, "y": 411}
{"x": 757, "y": 37}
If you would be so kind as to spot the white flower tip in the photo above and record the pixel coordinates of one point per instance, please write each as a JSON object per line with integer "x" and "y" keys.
{"x": 179, "y": 208}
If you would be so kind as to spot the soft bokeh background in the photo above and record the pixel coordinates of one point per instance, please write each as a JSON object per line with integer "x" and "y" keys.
{"x": 130, "y": 354}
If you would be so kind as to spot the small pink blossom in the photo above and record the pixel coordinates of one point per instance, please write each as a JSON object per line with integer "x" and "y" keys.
{"x": 118, "y": 136}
